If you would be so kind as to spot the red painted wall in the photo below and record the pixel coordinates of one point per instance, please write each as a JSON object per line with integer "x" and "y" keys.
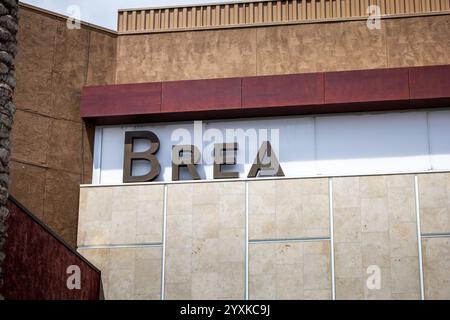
{"x": 37, "y": 260}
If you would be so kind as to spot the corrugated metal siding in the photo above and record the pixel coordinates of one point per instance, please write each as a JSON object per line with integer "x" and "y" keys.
{"x": 265, "y": 12}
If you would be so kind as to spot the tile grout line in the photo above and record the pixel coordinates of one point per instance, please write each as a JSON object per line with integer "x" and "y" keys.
{"x": 419, "y": 237}
{"x": 96, "y": 159}
{"x": 331, "y": 220}
{"x": 163, "y": 260}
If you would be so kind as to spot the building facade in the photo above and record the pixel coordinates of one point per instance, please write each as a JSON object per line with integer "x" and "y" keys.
{"x": 356, "y": 204}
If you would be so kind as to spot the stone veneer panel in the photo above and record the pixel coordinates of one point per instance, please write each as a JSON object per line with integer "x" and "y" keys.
{"x": 436, "y": 261}
{"x": 205, "y": 242}
{"x": 290, "y": 271}
{"x": 434, "y": 191}
{"x": 375, "y": 224}
{"x": 286, "y": 209}
{"x": 121, "y": 215}
{"x": 128, "y": 273}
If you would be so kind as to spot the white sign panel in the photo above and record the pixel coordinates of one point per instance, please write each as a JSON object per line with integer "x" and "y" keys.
{"x": 354, "y": 144}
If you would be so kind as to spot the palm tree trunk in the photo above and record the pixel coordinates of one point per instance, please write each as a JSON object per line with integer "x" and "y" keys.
{"x": 8, "y": 50}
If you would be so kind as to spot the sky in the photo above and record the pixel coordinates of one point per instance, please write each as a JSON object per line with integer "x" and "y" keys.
{"x": 104, "y": 12}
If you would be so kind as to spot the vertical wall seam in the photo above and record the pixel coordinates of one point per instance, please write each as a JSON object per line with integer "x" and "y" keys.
{"x": 163, "y": 253}
{"x": 386, "y": 42}
{"x": 430, "y": 159}
{"x": 256, "y": 52}
{"x": 100, "y": 163}
{"x": 316, "y": 157}
{"x": 246, "y": 241}
{"x": 330, "y": 200}
{"x": 242, "y": 92}
{"x": 161, "y": 98}
{"x": 55, "y": 40}
{"x": 86, "y": 74}
{"x": 419, "y": 237}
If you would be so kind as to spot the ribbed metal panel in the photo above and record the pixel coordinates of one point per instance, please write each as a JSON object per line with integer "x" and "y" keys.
{"x": 265, "y": 12}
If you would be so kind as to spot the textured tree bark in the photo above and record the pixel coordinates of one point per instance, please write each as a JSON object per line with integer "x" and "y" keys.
{"x": 8, "y": 51}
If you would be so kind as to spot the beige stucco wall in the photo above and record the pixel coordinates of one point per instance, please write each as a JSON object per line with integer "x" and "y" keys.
{"x": 291, "y": 245}
{"x": 284, "y": 49}
{"x": 51, "y": 146}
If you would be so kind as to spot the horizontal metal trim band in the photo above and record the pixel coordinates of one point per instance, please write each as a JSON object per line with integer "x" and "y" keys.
{"x": 255, "y": 179}
{"x": 119, "y": 246}
{"x": 313, "y": 239}
{"x": 435, "y": 235}
{"x": 370, "y": 90}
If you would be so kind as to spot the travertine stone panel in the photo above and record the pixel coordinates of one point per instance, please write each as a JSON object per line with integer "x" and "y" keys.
{"x": 320, "y": 47}
{"x": 121, "y": 215}
{"x": 186, "y": 55}
{"x": 434, "y": 192}
{"x": 128, "y": 273}
{"x": 286, "y": 209}
{"x": 418, "y": 41}
{"x": 205, "y": 241}
{"x": 375, "y": 225}
{"x": 436, "y": 262}
{"x": 289, "y": 270}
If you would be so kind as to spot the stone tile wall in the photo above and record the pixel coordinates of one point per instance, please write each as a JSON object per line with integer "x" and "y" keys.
{"x": 121, "y": 230}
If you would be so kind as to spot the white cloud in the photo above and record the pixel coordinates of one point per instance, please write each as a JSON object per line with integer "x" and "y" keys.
{"x": 104, "y": 12}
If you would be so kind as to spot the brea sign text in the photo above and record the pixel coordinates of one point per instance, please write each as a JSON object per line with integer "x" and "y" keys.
{"x": 188, "y": 157}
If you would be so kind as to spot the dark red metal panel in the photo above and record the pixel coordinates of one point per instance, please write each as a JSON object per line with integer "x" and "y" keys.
{"x": 332, "y": 92}
{"x": 201, "y": 95}
{"x": 37, "y": 260}
{"x": 283, "y": 91}
{"x": 366, "y": 86}
{"x": 430, "y": 82}
{"x": 115, "y": 100}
